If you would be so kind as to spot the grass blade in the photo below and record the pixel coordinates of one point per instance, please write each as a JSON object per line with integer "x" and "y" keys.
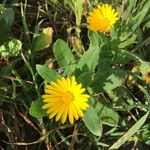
{"x": 129, "y": 133}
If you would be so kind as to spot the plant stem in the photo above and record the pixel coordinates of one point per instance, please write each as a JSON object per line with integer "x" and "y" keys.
{"x": 32, "y": 73}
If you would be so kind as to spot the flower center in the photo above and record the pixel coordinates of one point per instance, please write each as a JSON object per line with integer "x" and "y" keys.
{"x": 68, "y": 97}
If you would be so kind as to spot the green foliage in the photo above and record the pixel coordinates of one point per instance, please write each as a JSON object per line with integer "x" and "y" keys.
{"x": 76, "y": 6}
{"x": 6, "y": 19}
{"x": 40, "y": 42}
{"x": 111, "y": 66}
{"x": 36, "y": 109}
{"x": 64, "y": 56}
{"x": 144, "y": 67}
{"x": 130, "y": 132}
{"x": 46, "y": 73}
{"x": 89, "y": 60}
{"x": 108, "y": 116}
{"x": 108, "y": 81}
{"x": 11, "y": 48}
{"x": 92, "y": 121}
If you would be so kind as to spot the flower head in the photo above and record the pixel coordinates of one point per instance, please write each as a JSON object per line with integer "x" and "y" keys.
{"x": 102, "y": 18}
{"x": 147, "y": 77}
{"x": 65, "y": 99}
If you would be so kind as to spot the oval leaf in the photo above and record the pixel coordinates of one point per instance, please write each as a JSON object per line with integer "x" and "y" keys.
{"x": 36, "y": 109}
{"x": 107, "y": 115}
{"x": 63, "y": 53}
{"x": 42, "y": 41}
{"x": 92, "y": 121}
{"x": 46, "y": 73}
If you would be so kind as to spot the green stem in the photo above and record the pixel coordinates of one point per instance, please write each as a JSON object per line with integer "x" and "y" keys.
{"x": 32, "y": 73}
{"x": 25, "y": 26}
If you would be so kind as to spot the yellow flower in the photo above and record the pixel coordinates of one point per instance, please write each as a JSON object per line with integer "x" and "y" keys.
{"x": 147, "y": 78}
{"x": 102, "y": 18}
{"x": 65, "y": 99}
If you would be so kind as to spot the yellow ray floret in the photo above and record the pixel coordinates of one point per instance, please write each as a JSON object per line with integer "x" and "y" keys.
{"x": 65, "y": 100}
{"x": 102, "y": 18}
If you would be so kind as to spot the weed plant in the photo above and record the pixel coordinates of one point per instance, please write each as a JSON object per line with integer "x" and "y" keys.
{"x": 74, "y": 74}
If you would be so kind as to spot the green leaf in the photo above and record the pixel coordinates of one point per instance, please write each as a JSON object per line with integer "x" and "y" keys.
{"x": 144, "y": 67}
{"x": 96, "y": 39}
{"x": 8, "y": 15}
{"x": 36, "y": 109}
{"x": 89, "y": 60}
{"x": 64, "y": 55}
{"x": 6, "y": 19}
{"x": 137, "y": 20}
{"x": 115, "y": 79}
{"x": 69, "y": 70}
{"x": 46, "y": 73}
{"x": 11, "y": 48}
{"x": 129, "y": 9}
{"x": 121, "y": 56}
{"x": 108, "y": 81}
{"x": 104, "y": 65}
{"x": 92, "y": 121}
{"x": 135, "y": 128}
{"x": 128, "y": 41}
{"x": 78, "y": 5}
{"x": 107, "y": 115}
{"x": 40, "y": 42}
{"x": 85, "y": 78}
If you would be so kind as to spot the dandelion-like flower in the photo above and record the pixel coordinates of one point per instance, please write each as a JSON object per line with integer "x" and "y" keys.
{"x": 102, "y": 18}
{"x": 147, "y": 77}
{"x": 65, "y": 99}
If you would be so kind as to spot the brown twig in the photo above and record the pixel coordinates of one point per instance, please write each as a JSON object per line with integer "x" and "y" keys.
{"x": 28, "y": 121}
{"x": 62, "y": 141}
{"x": 46, "y": 138}
{"x": 134, "y": 118}
{"x": 6, "y": 129}
{"x": 74, "y": 137}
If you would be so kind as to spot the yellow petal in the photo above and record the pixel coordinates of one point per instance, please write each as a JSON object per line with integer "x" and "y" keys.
{"x": 56, "y": 106}
{"x": 102, "y": 18}
{"x": 78, "y": 110}
{"x": 60, "y": 113}
{"x": 64, "y": 116}
{"x": 46, "y": 106}
{"x": 52, "y": 114}
{"x": 75, "y": 114}
{"x": 64, "y": 99}
{"x": 70, "y": 116}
